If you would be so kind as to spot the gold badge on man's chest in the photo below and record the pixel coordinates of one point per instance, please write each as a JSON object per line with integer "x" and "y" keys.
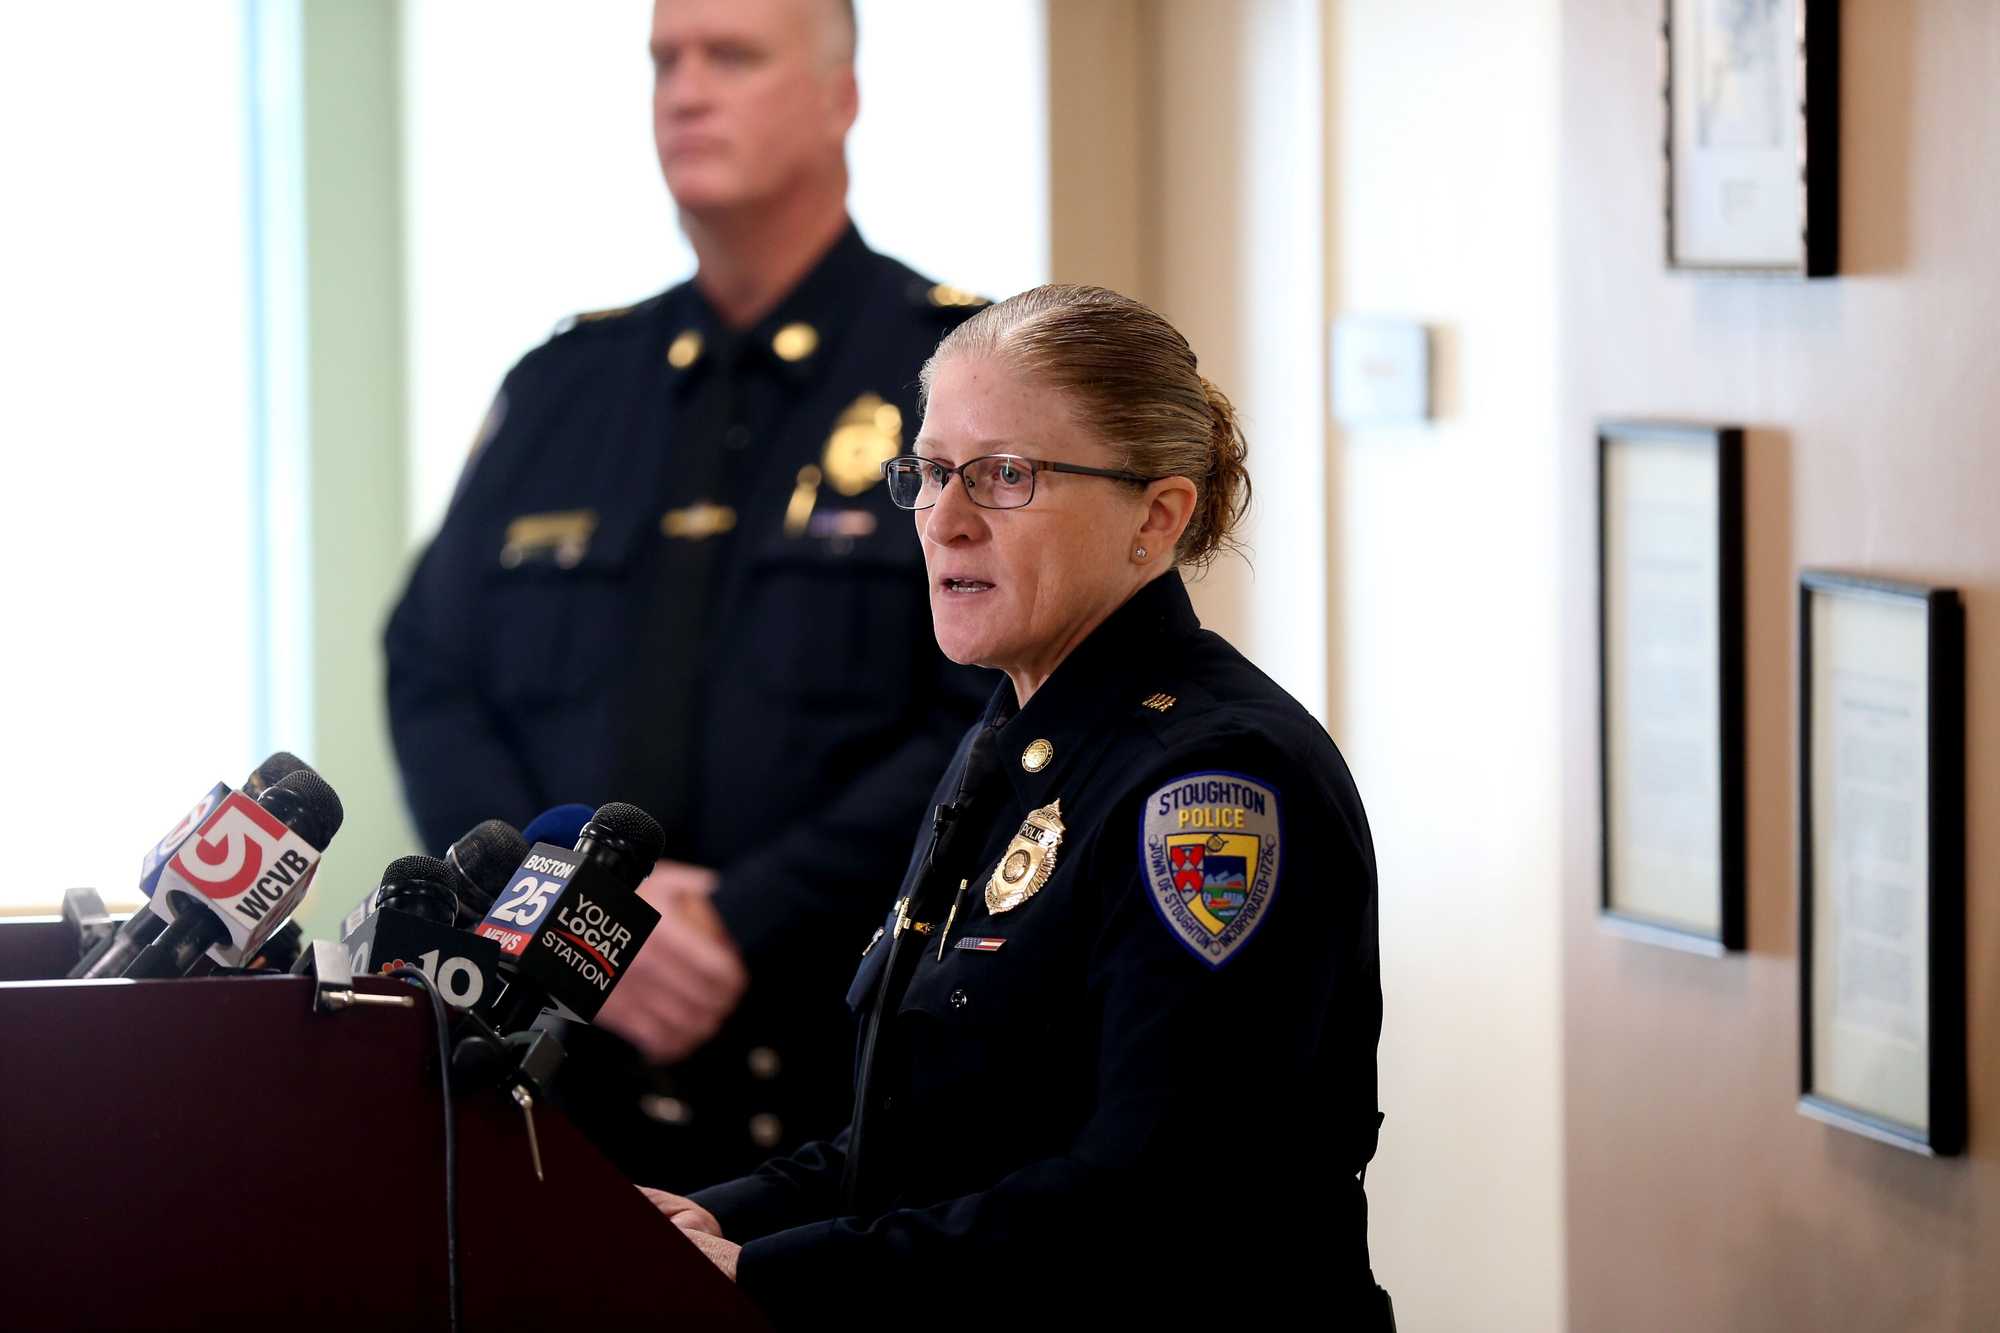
{"x": 868, "y": 434}
{"x": 1028, "y": 861}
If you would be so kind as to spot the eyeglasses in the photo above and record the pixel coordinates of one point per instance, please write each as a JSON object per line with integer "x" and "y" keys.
{"x": 995, "y": 481}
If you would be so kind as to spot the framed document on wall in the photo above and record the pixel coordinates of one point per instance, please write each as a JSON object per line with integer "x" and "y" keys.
{"x": 1881, "y": 860}
{"x": 1670, "y": 671}
{"x": 1753, "y": 107}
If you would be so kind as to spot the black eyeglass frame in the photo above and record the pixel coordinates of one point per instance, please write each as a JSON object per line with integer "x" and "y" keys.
{"x": 1034, "y": 466}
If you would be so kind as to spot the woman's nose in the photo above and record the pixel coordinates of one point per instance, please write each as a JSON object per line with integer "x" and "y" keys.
{"x": 954, "y": 515}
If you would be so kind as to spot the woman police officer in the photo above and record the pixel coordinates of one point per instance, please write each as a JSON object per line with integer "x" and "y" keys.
{"x": 1118, "y": 1031}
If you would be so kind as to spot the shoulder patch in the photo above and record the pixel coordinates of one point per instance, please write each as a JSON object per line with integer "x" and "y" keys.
{"x": 1208, "y": 848}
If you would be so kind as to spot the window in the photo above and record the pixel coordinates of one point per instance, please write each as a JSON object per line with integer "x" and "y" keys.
{"x": 134, "y": 676}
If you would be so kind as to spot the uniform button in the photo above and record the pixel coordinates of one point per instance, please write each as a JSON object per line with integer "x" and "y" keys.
{"x": 764, "y": 1063}
{"x": 666, "y": 1110}
{"x": 959, "y": 999}
{"x": 766, "y": 1130}
{"x": 736, "y": 436}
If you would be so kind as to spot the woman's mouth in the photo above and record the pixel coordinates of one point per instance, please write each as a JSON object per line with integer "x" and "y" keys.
{"x": 965, "y": 587}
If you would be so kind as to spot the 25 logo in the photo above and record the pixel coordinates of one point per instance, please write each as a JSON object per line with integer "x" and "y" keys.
{"x": 524, "y": 901}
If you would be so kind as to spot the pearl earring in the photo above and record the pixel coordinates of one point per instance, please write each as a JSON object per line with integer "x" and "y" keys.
{"x": 1138, "y": 553}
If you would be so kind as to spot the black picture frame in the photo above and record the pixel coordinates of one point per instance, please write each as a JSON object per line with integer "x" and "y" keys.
{"x": 1812, "y": 122}
{"x": 1943, "y": 766}
{"x": 1722, "y": 449}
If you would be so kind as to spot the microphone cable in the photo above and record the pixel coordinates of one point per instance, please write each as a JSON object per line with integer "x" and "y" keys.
{"x": 453, "y": 1296}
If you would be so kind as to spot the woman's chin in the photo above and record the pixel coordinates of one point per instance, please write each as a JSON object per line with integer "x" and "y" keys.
{"x": 975, "y": 629}
{"x": 966, "y": 650}
{"x": 960, "y": 637}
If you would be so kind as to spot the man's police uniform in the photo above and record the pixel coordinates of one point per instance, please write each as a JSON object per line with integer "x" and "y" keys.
{"x": 671, "y": 576}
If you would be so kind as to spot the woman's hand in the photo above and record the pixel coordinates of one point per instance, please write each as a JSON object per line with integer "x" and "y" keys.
{"x": 698, "y": 1225}
{"x": 722, "y": 1253}
{"x": 686, "y": 1214}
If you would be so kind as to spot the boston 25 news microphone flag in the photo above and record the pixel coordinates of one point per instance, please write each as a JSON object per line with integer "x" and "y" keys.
{"x": 571, "y": 920}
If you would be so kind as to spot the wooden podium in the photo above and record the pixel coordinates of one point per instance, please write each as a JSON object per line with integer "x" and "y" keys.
{"x": 214, "y": 1153}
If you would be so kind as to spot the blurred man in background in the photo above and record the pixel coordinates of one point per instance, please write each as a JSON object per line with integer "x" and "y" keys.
{"x": 670, "y": 576}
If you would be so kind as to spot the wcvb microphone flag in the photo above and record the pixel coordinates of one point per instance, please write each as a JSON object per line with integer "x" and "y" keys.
{"x": 248, "y": 865}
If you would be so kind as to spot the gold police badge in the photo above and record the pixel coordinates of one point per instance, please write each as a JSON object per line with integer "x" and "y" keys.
{"x": 1028, "y": 861}
{"x": 867, "y": 435}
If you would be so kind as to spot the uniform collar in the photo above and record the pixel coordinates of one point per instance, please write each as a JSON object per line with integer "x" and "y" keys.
{"x": 796, "y": 339}
{"x": 1111, "y": 674}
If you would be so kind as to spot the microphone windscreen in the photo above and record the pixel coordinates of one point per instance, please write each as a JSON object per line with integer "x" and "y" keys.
{"x": 488, "y": 857}
{"x": 313, "y": 810}
{"x": 420, "y": 886}
{"x": 559, "y": 827}
{"x": 632, "y": 826}
{"x": 272, "y": 771}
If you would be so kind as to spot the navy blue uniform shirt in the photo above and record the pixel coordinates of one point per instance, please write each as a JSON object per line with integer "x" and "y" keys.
{"x": 671, "y": 576}
{"x": 1130, "y": 1069}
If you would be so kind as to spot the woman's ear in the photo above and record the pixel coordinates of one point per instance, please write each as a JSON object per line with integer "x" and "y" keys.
{"x": 1170, "y": 505}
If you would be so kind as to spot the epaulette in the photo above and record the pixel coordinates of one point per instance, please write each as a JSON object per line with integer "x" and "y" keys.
{"x": 1165, "y": 710}
{"x": 590, "y": 319}
{"x": 944, "y": 299}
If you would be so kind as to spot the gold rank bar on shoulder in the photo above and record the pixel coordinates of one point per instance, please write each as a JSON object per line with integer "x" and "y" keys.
{"x": 1159, "y": 703}
{"x": 944, "y": 295}
{"x": 698, "y": 521}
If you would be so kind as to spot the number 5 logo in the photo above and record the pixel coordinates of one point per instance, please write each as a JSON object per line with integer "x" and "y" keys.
{"x": 227, "y": 855}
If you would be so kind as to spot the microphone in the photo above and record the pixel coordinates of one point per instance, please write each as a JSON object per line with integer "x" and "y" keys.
{"x": 569, "y": 920}
{"x": 622, "y": 842}
{"x": 561, "y": 825}
{"x": 407, "y": 921}
{"x": 481, "y": 863}
{"x": 240, "y": 876}
{"x": 281, "y": 951}
{"x": 272, "y": 771}
{"x": 112, "y": 956}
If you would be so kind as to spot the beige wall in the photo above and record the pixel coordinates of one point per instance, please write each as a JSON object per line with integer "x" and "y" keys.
{"x": 1185, "y": 150}
{"x": 1443, "y": 119}
{"x": 1194, "y": 148}
{"x": 1697, "y": 1196}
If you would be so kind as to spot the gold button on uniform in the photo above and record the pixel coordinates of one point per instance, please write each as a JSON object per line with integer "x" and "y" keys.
{"x": 766, "y": 1130}
{"x": 764, "y": 1063}
{"x": 666, "y": 1110}
{"x": 1036, "y": 757}
{"x": 795, "y": 342}
{"x": 684, "y": 350}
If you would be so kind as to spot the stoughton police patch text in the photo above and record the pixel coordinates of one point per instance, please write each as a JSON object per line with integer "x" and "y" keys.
{"x": 1208, "y": 847}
